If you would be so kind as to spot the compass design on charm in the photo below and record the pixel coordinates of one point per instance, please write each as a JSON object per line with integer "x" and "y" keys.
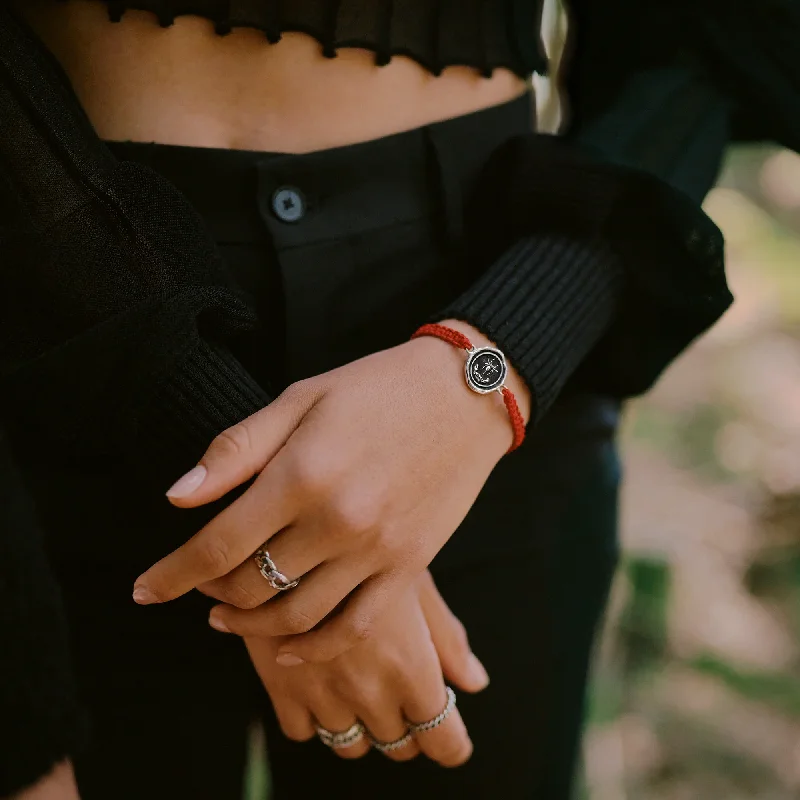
{"x": 486, "y": 369}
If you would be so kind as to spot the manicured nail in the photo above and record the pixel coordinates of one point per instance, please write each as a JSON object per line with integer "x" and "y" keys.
{"x": 143, "y": 596}
{"x": 217, "y": 624}
{"x": 191, "y": 481}
{"x": 478, "y": 672}
{"x": 289, "y": 660}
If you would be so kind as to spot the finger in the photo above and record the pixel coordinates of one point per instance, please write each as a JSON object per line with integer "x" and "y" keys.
{"x": 294, "y": 612}
{"x": 353, "y": 625}
{"x": 448, "y": 744}
{"x": 296, "y": 720}
{"x": 228, "y": 540}
{"x": 335, "y": 716}
{"x": 245, "y": 449}
{"x": 293, "y": 715}
{"x": 460, "y": 665}
{"x": 384, "y": 721}
{"x": 296, "y": 551}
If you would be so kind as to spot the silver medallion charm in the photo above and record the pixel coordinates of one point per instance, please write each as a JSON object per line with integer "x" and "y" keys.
{"x": 485, "y": 369}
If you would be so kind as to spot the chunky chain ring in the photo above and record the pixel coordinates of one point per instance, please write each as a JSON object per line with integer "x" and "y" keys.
{"x": 276, "y": 579}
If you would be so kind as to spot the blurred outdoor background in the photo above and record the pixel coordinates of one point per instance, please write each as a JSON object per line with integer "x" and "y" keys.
{"x": 696, "y": 692}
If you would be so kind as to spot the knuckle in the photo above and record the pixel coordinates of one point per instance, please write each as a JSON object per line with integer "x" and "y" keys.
{"x": 215, "y": 555}
{"x": 400, "y": 668}
{"x": 234, "y": 441}
{"x": 386, "y": 548}
{"x": 297, "y": 391}
{"x": 295, "y": 620}
{"x": 354, "y": 513}
{"x": 365, "y": 693}
{"x": 346, "y": 685}
{"x": 359, "y": 629}
{"x": 311, "y": 473}
{"x": 241, "y": 597}
{"x": 212, "y": 590}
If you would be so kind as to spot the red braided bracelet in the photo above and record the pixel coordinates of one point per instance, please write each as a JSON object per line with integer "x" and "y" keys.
{"x": 485, "y": 372}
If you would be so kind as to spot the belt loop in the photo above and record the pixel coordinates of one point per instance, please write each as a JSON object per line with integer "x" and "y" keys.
{"x": 448, "y": 180}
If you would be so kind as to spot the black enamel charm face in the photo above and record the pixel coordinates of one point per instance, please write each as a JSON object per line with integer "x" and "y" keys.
{"x": 485, "y": 370}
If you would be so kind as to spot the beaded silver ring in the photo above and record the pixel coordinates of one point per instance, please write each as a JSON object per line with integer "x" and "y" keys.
{"x": 390, "y": 747}
{"x": 421, "y": 727}
{"x": 338, "y": 740}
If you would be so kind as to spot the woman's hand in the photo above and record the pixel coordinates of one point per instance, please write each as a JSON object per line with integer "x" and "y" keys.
{"x": 58, "y": 784}
{"x": 363, "y": 473}
{"x": 397, "y": 676}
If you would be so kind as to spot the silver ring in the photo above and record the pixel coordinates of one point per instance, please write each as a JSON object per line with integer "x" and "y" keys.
{"x": 338, "y": 740}
{"x": 421, "y": 727}
{"x": 390, "y": 747}
{"x": 276, "y": 579}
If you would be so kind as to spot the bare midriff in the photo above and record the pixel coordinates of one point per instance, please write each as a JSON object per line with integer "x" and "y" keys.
{"x": 186, "y": 85}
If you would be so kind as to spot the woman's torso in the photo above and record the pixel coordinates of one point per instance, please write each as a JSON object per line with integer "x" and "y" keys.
{"x": 185, "y": 84}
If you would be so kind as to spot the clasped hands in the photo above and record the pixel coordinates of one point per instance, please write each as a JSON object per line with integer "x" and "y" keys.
{"x": 360, "y": 477}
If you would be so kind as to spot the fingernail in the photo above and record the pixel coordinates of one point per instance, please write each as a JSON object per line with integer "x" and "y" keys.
{"x": 217, "y": 624}
{"x": 289, "y": 660}
{"x": 191, "y": 481}
{"x": 143, "y": 596}
{"x": 478, "y": 671}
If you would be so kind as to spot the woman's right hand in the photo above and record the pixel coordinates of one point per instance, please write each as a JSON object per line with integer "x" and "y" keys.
{"x": 397, "y": 675}
{"x": 58, "y": 784}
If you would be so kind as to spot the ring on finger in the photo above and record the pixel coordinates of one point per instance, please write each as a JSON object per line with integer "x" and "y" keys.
{"x": 421, "y": 727}
{"x": 390, "y": 747}
{"x": 276, "y": 579}
{"x": 338, "y": 740}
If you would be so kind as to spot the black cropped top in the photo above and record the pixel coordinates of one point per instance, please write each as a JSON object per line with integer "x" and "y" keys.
{"x": 482, "y": 34}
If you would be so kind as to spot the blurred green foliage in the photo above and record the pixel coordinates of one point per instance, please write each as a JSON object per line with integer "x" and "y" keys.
{"x": 696, "y": 688}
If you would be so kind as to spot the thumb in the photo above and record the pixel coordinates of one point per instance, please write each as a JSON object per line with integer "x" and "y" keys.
{"x": 460, "y": 666}
{"x": 242, "y": 451}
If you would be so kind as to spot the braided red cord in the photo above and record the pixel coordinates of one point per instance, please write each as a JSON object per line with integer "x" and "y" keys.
{"x": 517, "y": 422}
{"x": 460, "y": 340}
{"x": 443, "y": 332}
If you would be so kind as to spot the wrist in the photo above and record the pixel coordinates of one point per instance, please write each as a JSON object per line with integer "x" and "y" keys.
{"x": 441, "y": 368}
{"x": 485, "y": 372}
{"x": 513, "y": 380}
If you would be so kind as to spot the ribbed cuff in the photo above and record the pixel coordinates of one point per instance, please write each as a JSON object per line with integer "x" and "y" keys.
{"x": 207, "y": 391}
{"x": 545, "y": 302}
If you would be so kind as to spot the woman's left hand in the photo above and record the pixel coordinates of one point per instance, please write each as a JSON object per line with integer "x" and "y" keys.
{"x": 396, "y": 678}
{"x": 363, "y": 474}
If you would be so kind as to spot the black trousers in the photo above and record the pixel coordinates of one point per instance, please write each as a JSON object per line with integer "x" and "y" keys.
{"x": 345, "y": 252}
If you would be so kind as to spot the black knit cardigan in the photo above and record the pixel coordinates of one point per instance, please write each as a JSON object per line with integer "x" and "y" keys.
{"x": 113, "y": 301}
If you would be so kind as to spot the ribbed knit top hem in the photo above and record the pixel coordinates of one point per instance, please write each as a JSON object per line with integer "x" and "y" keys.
{"x": 482, "y": 34}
